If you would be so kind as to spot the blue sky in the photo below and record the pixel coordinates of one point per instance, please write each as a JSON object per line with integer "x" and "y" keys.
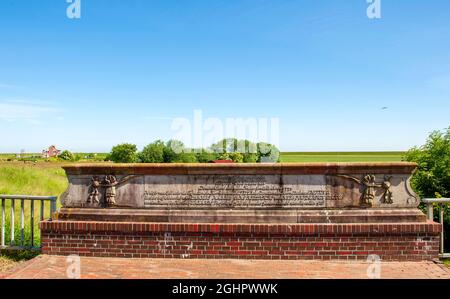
{"x": 124, "y": 70}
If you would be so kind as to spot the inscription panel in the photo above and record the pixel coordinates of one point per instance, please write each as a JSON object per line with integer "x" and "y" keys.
{"x": 240, "y": 192}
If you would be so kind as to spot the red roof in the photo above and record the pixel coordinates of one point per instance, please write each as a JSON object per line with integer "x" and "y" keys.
{"x": 223, "y": 161}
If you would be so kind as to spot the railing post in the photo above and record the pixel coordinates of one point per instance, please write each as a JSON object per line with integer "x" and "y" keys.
{"x": 441, "y": 202}
{"x": 42, "y": 210}
{"x": 441, "y": 220}
{"x": 22, "y": 222}
{"x": 12, "y": 222}
{"x": 13, "y": 244}
{"x": 53, "y": 207}
{"x": 430, "y": 211}
{"x": 32, "y": 223}
{"x": 3, "y": 223}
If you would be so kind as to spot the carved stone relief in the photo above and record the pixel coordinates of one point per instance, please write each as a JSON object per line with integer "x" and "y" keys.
{"x": 109, "y": 184}
{"x": 369, "y": 184}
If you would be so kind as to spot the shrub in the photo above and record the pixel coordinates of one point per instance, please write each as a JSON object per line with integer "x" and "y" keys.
{"x": 432, "y": 178}
{"x": 123, "y": 153}
{"x": 187, "y": 158}
{"x": 236, "y": 157}
{"x": 67, "y": 156}
{"x": 268, "y": 153}
{"x": 153, "y": 153}
{"x": 206, "y": 156}
{"x": 174, "y": 151}
{"x": 433, "y": 159}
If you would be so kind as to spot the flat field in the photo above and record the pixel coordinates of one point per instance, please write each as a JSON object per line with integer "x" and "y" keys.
{"x": 341, "y": 156}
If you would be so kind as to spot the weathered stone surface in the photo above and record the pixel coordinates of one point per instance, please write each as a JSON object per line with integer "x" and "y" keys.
{"x": 292, "y": 211}
{"x": 241, "y": 186}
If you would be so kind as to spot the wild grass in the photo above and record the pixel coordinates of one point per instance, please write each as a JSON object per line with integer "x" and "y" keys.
{"x": 29, "y": 179}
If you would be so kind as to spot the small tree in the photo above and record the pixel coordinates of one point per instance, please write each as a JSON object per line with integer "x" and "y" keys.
{"x": 153, "y": 153}
{"x": 235, "y": 157}
{"x": 206, "y": 156}
{"x": 174, "y": 151}
{"x": 247, "y": 149}
{"x": 432, "y": 178}
{"x": 188, "y": 157}
{"x": 66, "y": 156}
{"x": 123, "y": 153}
{"x": 268, "y": 153}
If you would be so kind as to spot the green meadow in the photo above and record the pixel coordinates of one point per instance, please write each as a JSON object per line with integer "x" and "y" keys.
{"x": 38, "y": 179}
{"x": 341, "y": 157}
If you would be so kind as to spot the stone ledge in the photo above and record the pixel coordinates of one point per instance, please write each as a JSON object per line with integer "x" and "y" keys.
{"x": 240, "y": 168}
{"x": 256, "y": 216}
{"x": 232, "y": 228}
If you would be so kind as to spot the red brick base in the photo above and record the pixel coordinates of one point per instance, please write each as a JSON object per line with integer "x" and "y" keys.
{"x": 399, "y": 241}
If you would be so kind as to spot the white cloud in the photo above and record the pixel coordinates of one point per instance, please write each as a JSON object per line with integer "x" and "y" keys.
{"x": 28, "y": 111}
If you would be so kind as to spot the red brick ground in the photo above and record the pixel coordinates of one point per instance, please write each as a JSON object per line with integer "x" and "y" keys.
{"x": 46, "y": 266}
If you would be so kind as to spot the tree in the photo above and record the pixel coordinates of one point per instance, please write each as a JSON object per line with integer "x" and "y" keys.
{"x": 67, "y": 156}
{"x": 123, "y": 153}
{"x": 174, "y": 151}
{"x": 268, "y": 153}
{"x": 153, "y": 153}
{"x": 227, "y": 145}
{"x": 251, "y": 152}
{"x": 187, "y": 158}
{"x": 235, "y": 157}
{"x": 432, "y": 178}
{"x": 206, "y": 156}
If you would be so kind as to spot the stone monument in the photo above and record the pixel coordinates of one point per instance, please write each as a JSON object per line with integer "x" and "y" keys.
{"x": 270, "y": 211}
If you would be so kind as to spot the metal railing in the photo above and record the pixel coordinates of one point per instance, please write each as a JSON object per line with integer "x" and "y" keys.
{"x": 430, "y": 215}
{"x": 22, "y": 199}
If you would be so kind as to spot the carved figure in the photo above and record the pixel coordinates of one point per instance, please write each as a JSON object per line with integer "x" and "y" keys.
{"x": 388, "y": 197}
{"x": 369, "y": 183}
{"x": 369, "y": 190}
{"x": 93, "y": 190}
{"x": 110, "y": 182}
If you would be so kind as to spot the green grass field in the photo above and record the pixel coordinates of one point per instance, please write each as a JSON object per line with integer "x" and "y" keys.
{"x": 39, "y": 179}
{"x": 341, "y": 156}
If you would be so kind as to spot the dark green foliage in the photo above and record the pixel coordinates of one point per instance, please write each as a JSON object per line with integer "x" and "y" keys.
{"x": 268, "y": 153}
{"x": 174, "y": 151}
{"x": 251, "y": 152}
{"x": 123, "y": 153}
{"x": 187, "y": 158}
{"x": 235, "y": 157}
{"x": 153, "y": 153}
{"x": 67, "y": 156}
{"x": 206, "y": 156}
{"x": 432, "y": 178}
{"x": 171, "y": 152}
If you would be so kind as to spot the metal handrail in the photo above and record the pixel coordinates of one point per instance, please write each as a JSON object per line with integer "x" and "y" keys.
{"x": 22, "y": 199}
{"x": 430, "y": 215}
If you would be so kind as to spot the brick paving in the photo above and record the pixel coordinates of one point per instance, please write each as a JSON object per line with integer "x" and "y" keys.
{"x": 55, "y": 267}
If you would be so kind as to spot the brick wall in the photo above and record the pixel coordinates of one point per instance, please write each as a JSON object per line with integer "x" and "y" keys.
{"x": 247, "y": 241}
